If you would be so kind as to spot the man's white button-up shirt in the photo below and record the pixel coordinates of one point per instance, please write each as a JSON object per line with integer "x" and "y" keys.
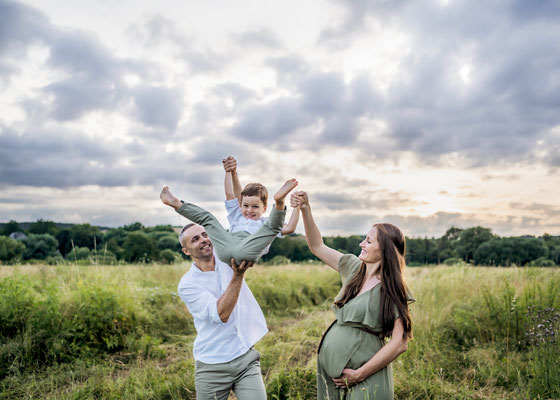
{"x": 216, "y": 341}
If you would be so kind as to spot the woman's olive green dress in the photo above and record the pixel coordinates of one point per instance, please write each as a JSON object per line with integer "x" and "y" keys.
{"x": 345, "y": 345}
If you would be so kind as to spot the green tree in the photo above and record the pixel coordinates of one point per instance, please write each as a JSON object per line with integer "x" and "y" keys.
{"x": 470, "y": 239}
{"x": 44, "y": 226}
{"x": 40, "y": 246}
{"x": 63, "y": 238}
{"x": 10, "y": 227}
{"x": 83, "y": 235}
{"x": 10, "y": 249}
{"x": 139, "y": 247}
{"x": 169, "y": 241}
{"x": 159, "y": 228}
{"x": 135, "y": 226}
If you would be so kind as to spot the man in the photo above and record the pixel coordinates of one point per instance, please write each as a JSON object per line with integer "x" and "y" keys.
{"x": 227, "y": 319}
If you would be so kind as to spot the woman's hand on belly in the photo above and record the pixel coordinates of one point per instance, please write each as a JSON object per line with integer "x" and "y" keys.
{"x": 348, "y": 378}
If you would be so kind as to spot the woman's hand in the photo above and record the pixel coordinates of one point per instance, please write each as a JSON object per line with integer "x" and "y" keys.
{"x": 349, "y": 378}
{"x": 299, "y": 199}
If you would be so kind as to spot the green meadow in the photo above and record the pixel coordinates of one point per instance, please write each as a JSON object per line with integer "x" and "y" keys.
{"x": 122, "y": 332}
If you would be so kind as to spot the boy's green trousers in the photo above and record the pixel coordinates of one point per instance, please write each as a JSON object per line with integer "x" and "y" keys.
{"x": 238, "y": 245}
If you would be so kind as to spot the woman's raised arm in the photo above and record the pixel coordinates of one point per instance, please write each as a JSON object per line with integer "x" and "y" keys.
{"x": 312, "y": 234}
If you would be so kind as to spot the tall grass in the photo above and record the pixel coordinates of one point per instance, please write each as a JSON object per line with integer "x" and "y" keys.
{"x": 73, "y": 332}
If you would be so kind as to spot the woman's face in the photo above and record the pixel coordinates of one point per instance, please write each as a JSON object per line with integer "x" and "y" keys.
{"x": 370, "y": 248}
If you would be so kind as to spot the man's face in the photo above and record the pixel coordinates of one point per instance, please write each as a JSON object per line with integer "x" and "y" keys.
{"x": 252, "y": 207}
{"x": 196, "y": 242}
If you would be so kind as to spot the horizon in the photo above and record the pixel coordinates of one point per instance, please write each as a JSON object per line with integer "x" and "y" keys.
{"x": 103, "y": 228}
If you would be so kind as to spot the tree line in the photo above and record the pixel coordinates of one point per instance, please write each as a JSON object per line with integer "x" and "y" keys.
{"x": 83, "y": 243}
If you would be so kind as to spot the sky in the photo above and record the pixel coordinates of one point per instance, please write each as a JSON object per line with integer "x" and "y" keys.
{"x": 427, "y": 114}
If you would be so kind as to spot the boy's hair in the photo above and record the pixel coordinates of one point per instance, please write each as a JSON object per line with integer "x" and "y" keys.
{"x": 255, "y": 189}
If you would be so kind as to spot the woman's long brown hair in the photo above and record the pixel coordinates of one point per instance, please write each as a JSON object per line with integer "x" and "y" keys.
{"x": 393, "y": 288}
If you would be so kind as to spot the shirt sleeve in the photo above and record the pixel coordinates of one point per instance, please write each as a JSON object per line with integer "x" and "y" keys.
{"x": 233, "y": 211}
{"x": 201, "y": 303}
{"x": 347, "y": 266}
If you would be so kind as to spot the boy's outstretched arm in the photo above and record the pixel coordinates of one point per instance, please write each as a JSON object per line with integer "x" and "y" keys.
{"x": 290, "y": 227}
{"x": 230, "y": 165}
{"x": 228, "y": 186}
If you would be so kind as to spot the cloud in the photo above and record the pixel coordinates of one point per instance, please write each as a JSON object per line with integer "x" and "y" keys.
{"x": 258, "y": 38}
{"x": 66, "y": 158}
{"x": 484, "y": 85}
{"x": 159, "y": 106}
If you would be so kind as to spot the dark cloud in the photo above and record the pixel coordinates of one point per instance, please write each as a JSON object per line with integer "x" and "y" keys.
{"x": 513, "y": 94}
{"x": 64, "y": 158}
{"x": 93, "y": 76}
{"x": 20, "y": 25}
{"x": 159, "y": 106}
{"x": 322, "y": 110}
{"x": 271, "y": 122}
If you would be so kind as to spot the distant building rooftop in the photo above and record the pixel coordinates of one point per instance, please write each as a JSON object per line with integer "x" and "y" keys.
{"x": 18, "y": 235}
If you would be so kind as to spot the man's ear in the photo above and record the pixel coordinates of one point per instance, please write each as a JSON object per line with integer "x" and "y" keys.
{"x": 184, "y": 250}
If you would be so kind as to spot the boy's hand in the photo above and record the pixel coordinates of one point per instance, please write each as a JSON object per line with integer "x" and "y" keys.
{"x": 299, "y": 199}
{"x": 240, "y": 269}
{"x": 230, "y": 164}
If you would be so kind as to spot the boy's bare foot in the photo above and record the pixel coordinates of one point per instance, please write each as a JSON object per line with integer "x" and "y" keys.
{"x": 285, "y": 189}
{"x": 168, "y": 199}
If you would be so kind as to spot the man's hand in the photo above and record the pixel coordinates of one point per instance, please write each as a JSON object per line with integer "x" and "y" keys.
{"x": 348, "y": 378}
{"x": 230, "y": 164}
{"x": 239, "y": 270}
{"x": 299, "y": 199}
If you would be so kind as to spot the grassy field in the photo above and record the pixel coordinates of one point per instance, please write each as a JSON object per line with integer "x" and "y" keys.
{"x": 80, "y": 332}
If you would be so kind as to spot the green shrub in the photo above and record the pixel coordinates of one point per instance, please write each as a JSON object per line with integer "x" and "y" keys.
{"x": 105, "y": 257}
{"x": 10, "y": 249}
{"x": 16, "y": 304}
{"x": 95, "y": 321}
{"x": 139, "y": 247}
{"x": 55, "y": 260}
{"x": 39, "y": 246}
{"x": 542, "y": 262}
{"x": 453, "y": 261}
{"x": 169, "y": 256}
{"x": 79, "y": 253}
{"x": 278, "y": 260}
{"x": 168, "y": 241}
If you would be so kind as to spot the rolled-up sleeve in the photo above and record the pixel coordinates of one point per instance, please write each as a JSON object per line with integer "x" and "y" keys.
{"x": 200, "y": 302}
{"x": 233, "y": 211}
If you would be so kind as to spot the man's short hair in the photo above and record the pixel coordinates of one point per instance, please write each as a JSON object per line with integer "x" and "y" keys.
{"x": 255, "y": 189}
{"x": 183, "y": 231}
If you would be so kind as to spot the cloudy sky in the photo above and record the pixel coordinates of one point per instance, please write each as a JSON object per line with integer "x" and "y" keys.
{"x": 426, "y": 113}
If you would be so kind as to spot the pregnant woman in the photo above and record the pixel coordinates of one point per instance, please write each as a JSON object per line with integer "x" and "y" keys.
{"x": 373, "y": 324}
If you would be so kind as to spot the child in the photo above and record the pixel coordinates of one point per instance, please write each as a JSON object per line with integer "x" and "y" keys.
{"x": 250, "y": 235}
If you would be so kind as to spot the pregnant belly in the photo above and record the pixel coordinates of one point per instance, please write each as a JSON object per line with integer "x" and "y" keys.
{"x": 346, "y": 347}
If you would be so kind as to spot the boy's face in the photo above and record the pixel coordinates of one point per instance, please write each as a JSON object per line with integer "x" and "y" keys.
{"x": 252, "y": 207}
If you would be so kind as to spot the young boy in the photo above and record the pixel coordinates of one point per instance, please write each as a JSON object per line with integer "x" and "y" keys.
{"x": 250, "y": 235}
